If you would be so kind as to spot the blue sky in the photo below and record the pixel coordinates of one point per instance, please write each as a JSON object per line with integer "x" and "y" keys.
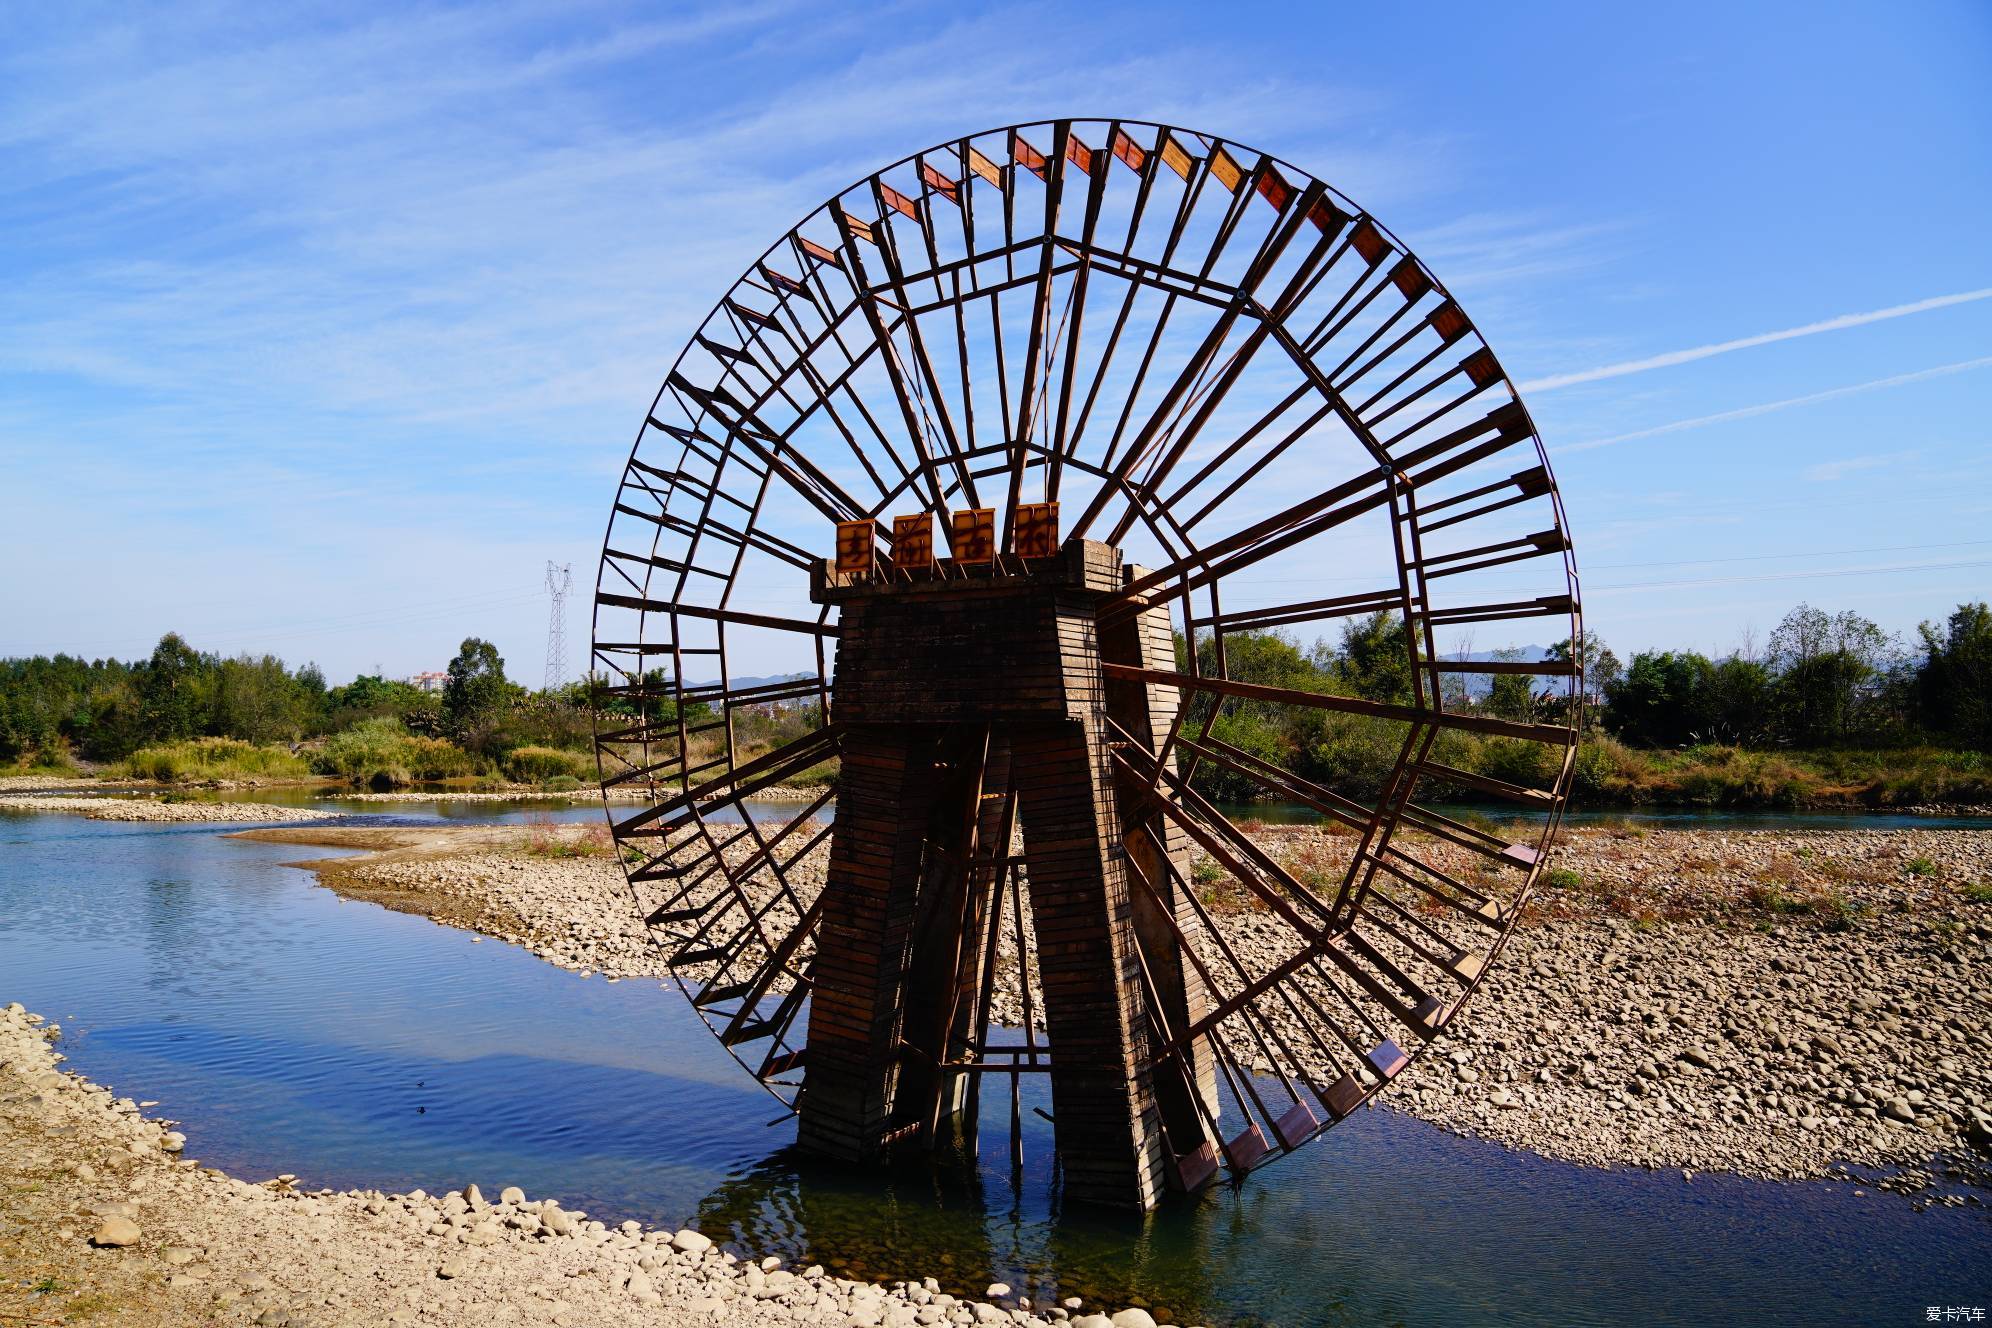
{"x": 322, "y": 330}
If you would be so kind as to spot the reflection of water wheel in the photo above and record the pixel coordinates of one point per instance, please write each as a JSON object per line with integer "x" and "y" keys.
{"x": 1246, "y": 409}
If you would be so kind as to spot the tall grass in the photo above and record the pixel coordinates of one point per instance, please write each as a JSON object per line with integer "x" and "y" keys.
{"x": 537, "y": 765}
{"x": 380, "y": 753}
{"x": 199, "y": 759}
{"x": 42, "y": 762}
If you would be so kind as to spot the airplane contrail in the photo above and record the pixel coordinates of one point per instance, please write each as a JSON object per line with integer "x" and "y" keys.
{"x": 1765, "y": 408}
{"x": 1674, "y": 357}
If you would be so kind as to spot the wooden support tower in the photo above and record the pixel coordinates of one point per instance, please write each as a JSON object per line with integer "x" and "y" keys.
{"x": 972, "y": 697}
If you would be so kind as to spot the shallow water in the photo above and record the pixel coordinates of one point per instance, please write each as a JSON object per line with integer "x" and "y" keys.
{"x": 291, "y": 1031}
{"x": 583, "y": 807}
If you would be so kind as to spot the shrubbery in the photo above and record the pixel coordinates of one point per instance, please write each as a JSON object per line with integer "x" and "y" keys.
{"x": 210, "y": 758}
{"x": 537, "y": 765}
{"x": 381, "y": 753}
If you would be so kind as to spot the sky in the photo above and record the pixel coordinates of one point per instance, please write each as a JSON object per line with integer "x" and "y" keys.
{"x": 323, "y": 329}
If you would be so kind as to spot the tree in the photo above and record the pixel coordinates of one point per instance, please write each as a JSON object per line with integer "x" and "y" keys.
{"x": 1953, "y": 686}
{"x": 1512, "y": 695}
{"x": 1595, "y": 660}
{"x": 1823, "y": 664}
{"x": 1376, "y": 657}
{"x": 258, "y": 699}
{"x": 1739, "y": 700}
{"x": 1664, "y": 699}
{"x": 476, "y": 688}
{"x": 170, "y": 691}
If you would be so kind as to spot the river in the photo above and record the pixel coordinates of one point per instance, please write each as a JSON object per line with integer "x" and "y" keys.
{"x": 291, "y": 1031}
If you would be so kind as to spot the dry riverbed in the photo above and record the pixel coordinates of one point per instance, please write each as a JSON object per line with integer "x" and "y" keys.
{"x": 1778, "y": 1004}
{"x": 113, "y": 808}
{"x": 102, "y": 1218}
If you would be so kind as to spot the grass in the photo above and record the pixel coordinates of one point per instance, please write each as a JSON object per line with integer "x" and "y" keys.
{"x": 1562, "y": 878}
{"x": 547, "y": 839}
{"x": 1921, "y": 867}
{"x": 1772, "y": 899}
{"x": 1831, "y": 908}
{"x": 381, "y": 754}
{"x": 199, "y": 759}
{"x": 41, "y": 764}
{"x": 1609, "y": 773}
{"x": 821, "y": 775}
{"x": 1978, "y": 892}
{"x": 88, "y": 1306}
{"x": 537, "y": 765}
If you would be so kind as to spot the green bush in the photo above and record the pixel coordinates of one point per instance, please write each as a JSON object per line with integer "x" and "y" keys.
{"x": 536, "y": 765}
{"x": 1518, "y": 761}
{"x": 210, "y": 758}
{"x": 43, "y": 761}
{"x": 1605, "y": 770}
{"x": 561, "y": 784}
{"x": 1352, "y": 754}
{"x": 380, "y": 753}
{"x": 1249, "y": 732}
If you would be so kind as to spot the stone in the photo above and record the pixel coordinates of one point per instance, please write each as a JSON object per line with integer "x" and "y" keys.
{"x": 1899, "y": 1109}
{"x": 688, "y": 1241}
{"x": 116, "y": 1233}
{"x": 997, "y": 1290}
{"x": 1133, "y": 1319}
{"x": 641, "y": 1289}
{"x": 178, "y": 1256}
{"x": 511, "y": 1194}
{"x": 452, "y": 1269}
{"x": 473, "y": 1197}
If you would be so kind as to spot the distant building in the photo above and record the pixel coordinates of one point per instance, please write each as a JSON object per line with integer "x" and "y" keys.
{"x": 428, "y": 682}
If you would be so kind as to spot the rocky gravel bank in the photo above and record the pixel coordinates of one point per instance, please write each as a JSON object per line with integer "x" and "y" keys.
{"x": 1777, "y": 1004}
{"x": 104, "y": 1216}
{"x": 156, "y": 809}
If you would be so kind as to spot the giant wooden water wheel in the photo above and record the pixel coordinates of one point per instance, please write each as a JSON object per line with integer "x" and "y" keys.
{"x": 1007, "y": 480}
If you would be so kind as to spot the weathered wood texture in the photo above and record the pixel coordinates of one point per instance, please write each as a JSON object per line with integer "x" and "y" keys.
{"x": 961, "y": 691}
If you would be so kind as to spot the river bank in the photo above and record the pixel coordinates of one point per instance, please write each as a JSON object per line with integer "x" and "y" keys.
{"x": 104, "y": 1217}
{"x": 158, "y": 809}
{"x": 1776, "y": 1004}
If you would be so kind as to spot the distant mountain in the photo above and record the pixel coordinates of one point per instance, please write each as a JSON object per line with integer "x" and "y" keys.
{"x": 753, "y": 680}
